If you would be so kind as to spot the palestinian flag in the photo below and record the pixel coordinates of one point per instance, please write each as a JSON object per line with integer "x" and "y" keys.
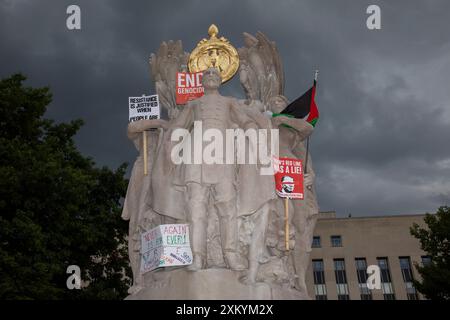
{"x": 305, "y": 106}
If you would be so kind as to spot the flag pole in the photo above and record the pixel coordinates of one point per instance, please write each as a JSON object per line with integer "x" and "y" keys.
{"x": 307, "y": 153}
{"x": 316, "y": 75}
{"x": 286, "y": 223}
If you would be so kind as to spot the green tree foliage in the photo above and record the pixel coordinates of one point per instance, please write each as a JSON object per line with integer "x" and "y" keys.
{"x": 435, "y": 240}
{"x": 56, "y": 208}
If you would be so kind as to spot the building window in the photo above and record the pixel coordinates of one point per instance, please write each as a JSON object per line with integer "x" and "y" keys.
{"x": 426, "y": 261}
{"x": 361, "y": 271}
{"x": 341, "y": 279}
{"x": 316, "y": 242}
{"x": 386, "y": 282}
{"x": 336, "y": 241}
{"x": 320, "y": 288}
{"x": 405, "y": 266}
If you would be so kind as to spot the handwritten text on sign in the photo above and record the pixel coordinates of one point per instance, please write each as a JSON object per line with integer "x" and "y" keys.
{"x": 164, "y": 246}
{"x": 143, "y": 108}
{"x": 289, "y": 178}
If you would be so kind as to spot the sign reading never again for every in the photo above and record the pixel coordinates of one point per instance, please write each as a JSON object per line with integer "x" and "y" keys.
{"x": 143, "y": 108}
{"x": 164, "y": 246}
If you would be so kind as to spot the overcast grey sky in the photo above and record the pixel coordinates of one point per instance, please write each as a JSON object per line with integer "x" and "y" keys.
{"x": 382, "y": 144}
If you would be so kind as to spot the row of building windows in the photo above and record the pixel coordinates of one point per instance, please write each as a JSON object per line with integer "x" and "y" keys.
{"x": 361, "y": 271}
{"x": 336, "y": 241}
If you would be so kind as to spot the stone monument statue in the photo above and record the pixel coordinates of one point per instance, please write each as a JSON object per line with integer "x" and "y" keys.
{"x": 216, "y": 181}
{"x": 233, "y": 213}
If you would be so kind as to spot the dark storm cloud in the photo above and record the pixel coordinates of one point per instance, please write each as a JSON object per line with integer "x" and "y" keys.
{"x": 381, "y": 145}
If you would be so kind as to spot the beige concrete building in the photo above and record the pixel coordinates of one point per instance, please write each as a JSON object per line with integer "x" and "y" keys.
{"x": 344, "y": 247}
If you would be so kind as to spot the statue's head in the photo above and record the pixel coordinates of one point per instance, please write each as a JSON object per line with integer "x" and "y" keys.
{"x": 211, "y": 78}
{"x": 278, "y": 103}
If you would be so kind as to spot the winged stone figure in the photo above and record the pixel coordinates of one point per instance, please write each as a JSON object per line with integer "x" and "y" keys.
{"x": 261, "y": 76}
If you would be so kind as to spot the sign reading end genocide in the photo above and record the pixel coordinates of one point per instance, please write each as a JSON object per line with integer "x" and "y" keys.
{"x": 165, "y": 246}
{"x": 289, "y": 178}
{"x": 143, "y": 108}
{"x": 189, "y": 86}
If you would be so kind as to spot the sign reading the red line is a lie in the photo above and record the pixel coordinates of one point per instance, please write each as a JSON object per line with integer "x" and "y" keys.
{"x": 189, "y": 86}
{"x": 289, "y": 178}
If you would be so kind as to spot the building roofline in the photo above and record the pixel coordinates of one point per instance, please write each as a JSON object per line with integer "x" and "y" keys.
{"x": 373, "y": 217}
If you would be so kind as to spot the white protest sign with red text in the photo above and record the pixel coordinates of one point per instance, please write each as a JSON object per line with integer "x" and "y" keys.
{"x": 189, "y": 86}
{"x": 289, "y": 178}
{"x": 164, "y": 246}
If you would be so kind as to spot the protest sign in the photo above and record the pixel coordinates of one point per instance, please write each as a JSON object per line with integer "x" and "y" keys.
{"x": 289, "y": 178}
{"x": 288, "y": 185}
{"x": 189, "y": 86}
{"x": 164, "y": 246}
{"x": 143, "y": 108}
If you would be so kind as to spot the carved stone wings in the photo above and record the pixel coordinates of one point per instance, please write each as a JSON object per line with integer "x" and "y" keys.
{"x": 164, "y": 66}
{"x": 261, "y": 71}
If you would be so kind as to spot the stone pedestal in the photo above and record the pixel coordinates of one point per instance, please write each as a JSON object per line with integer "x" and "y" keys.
{"x": 209, "y": 284}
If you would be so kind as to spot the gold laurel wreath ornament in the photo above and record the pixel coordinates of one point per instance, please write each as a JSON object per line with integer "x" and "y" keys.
{"x": 215, "y": 52}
